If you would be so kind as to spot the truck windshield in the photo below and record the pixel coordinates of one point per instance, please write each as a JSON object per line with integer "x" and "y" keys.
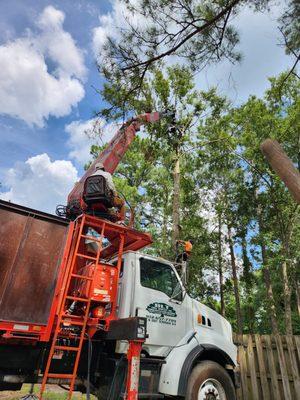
{"x": 161, "y": 277}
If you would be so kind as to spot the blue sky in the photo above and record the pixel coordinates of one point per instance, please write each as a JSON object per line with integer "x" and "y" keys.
{"x": 47, "y": 101}
{"x": 18, "y": 139}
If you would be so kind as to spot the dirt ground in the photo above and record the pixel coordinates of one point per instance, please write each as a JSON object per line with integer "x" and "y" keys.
{"x": 53, "y": 392}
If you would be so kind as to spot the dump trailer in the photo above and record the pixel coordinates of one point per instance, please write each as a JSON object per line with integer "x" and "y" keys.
{"x": 186, "y": 347}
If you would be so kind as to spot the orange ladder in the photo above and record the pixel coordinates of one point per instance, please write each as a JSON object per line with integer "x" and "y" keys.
{"x": 69, "y": 320}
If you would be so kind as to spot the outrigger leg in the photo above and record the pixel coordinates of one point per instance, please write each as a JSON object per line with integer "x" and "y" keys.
{"x": 133, "y": 374}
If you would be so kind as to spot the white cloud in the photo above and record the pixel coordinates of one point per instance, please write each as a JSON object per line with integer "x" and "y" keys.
{"x": 80, "y": 140}
{"x": 40, "y": 183}
{"x": 101, "y": 32}
{"x": 82, "y": 134}
{"x": 59, "y": 44}
{"x": 110, "y": 22}
{"x": 29, "y": 89}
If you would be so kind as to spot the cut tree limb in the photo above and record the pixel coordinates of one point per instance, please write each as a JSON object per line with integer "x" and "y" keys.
{"x": 283, "y": 166}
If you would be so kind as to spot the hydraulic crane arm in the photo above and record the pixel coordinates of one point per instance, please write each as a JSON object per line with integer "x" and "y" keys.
{"x": 111, "y": 156}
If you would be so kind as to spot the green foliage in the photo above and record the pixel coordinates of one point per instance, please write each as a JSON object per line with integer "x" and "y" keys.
{"x": 237, "y": 169}
{"x": 223, "y": 175}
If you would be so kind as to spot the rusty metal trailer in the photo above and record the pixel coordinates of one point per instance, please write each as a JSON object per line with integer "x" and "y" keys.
{"x": 33, "y": 269}
{"x": 31, "y": 249}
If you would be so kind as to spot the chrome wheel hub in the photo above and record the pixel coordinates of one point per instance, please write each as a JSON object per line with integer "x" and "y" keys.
{"x": 211, "y": 389}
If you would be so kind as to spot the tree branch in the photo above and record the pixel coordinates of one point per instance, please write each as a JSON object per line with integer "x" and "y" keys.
{"x": 183, "y": 41}
{"x": 291, "y": 71}
{"x": 297, "y": 57}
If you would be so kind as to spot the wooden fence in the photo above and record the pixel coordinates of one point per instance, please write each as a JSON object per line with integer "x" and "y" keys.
{"x": 270, "y": 366}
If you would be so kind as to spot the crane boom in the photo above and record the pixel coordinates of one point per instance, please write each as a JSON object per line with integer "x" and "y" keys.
{"x": 111, "y": 156}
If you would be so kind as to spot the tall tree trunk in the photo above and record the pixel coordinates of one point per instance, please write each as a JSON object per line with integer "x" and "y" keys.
{"x": 287, "y": 294}
{"x": 269, "y": 287}
{"x": 297, "y": 289}
{"x": 176, "y": 201}
{"x": 266, "y": 274}
{"x": 235, "y": 283}
{"x": 247, "y": 275}
{"x": 220, "y": 265}
{"x": 164, "y": 235}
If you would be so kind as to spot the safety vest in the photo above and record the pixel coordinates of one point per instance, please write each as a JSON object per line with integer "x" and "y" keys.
{"x": 188, "y": 247}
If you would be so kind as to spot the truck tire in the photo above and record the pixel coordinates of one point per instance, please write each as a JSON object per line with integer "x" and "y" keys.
{"x": 210, "y": 381}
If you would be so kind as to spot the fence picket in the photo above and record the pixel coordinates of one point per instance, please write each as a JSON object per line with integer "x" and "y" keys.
{"x": 272, "y": 368}
{"x": 243, "y": 368}
{"x": 283, "y": 369}
{"x": 297, "y": 343}
{"x": 293, "y": 360}
{"x": 262, "y": 369}
{"x": 251, "y": 360}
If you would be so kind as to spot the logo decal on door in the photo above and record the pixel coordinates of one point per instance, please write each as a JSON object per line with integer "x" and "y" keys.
{"x": 162, "y": 309}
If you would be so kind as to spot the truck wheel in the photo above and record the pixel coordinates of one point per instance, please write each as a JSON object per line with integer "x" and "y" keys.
{"x": 210, "y": 381}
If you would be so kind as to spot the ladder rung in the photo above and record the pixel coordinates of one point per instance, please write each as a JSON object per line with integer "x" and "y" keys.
{"x": 72, "y": 316}
{"x": 66, "y": 348}
{"x": 81, "y": 299}
{"x": 88, "y": 278}
{"x": 92, "y": 238}
{"x": 87, "y": 257}
{"x": 68, "y": 323}
{"x": 62, "y": 376}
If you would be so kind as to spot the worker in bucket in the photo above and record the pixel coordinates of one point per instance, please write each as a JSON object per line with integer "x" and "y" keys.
{"x": 182, "y": 258}
{"x": 100, "y": 194}
{"x": 187, "y": 250}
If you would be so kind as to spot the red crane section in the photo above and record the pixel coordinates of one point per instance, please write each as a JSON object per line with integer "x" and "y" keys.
{"x": 111, "y": 156}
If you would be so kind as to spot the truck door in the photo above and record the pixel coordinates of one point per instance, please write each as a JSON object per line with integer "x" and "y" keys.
{"x": 160, "y": 298}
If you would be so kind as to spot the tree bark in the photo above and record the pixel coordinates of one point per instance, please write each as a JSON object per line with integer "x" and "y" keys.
{"x": 247, "y": 275}
{"x": 297, "y": 289}
{"x": 166, "y": 250}
{"x": 287, "y": 298}
{"x": 269, "y": 287}
{"x": 270, "y": 297}
{"x": 235, "y": 283}
{"x": 267, "y": 275}
{"x": 285, "y": 267}
{"x": 220, "y": 265}
{"x": 176, "y": 201}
